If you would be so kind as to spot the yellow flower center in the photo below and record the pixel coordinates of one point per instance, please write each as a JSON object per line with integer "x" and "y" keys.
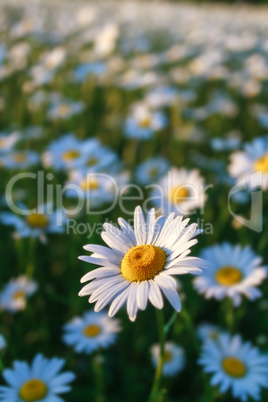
{"x": 20, "y": 294}
{"x": 91, "y": 331}
{"x": 167, "y": 357}
{"x": 19, "y": 157}
{"x": 145, "y": 122}
{"x": 262, "y": 164}
{"x": 234, "y": 367}
{"x": 33, "y": 390}
{"x": 153, "y": 172}
{"x": 63, "y": 110}
{"x": 178, "y": 194}
{"x": 228, "y": 276}
{"x": 92, "y": 161}
{"x": 214, "y": 335}
{"x": 142, "y": 263}
{"x": 91, "y": 184}
{"x": 70, "y": 155}
{"x": 37, "y": 221}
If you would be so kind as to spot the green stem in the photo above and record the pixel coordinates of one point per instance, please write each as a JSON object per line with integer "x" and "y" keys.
{"x": 230, "y": 315}
{"x": 30, "y": 265}
{"x": 158, "y": 373}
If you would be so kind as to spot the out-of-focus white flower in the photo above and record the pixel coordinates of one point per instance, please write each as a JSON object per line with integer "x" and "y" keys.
{"x": 14, "y": 296}
{"x": 173, "y": 358}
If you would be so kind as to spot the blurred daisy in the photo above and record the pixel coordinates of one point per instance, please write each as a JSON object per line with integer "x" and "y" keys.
{"x": 253, "y": 159}
{"x": 41, "y": 381}
{"x": 96, "y": 188}
{"x": 233, "y": 271}
{"x": 207, "y": 331}
{"x": 162, "y": 96}
{"x": 173, "y": 358}
{"x": 151, "y": 170}
{"x": 180, "y": 191}
{"x": 65, "y": 109}
{"x": 36, "y": 224}
{"x": 235, "y": 366}
{"x": 140, "y": 263}
{"x": 7, "y": 141}
{"x": 15, "y": 294}
{"x": 2, "y": 342}
{"x": 91, "y": 332}
{"x": 66, "y": 152}
{"x": 143, "y": 122}
{"x": 19, "y": 159}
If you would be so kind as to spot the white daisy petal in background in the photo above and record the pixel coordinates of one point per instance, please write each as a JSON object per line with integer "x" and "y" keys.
{"x": 140, "y": 263}
{"x": 173, "y": 358}
{"x": 206, "y": 331}
{"x": 233, "y": 271}
{"x": 180, "y": 191}
{"x": 15, "y": 294}
{"x": 91, "y": 332}
{"x": 151, "y": 170}
{"x": 253, "y": 159}
{"x": 41, "y": 381}
{"x": 235, "y": 366}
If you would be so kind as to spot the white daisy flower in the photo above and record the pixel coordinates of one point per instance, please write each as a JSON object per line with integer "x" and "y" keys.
{"x": 233, "y": 271}
{"x": 65, "y": 109}
{"x": 2, "y": 342}
{"x": 207, "y": 331}
{"x": 253, "y": 159}
{"x": 143, "y": 122}
{"x": 151, "y": 170}
{"x": 91, "y": 332}
{"x": 96, "y": 188}
{"x": 41, "y": 381}
{"x": 140, "y": 263}
{"x": 173, "y": 358}
{"x": 19, "y": 159}
{"x": 36, "y": 224}
{"x": 180, "y": 191}
{"x": 8, "y": 140}
{"x": 235, "y": 366}
{"x": 15, "y": 294}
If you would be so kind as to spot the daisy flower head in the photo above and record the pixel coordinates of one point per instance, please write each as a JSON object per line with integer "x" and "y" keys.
{"x": 91, "y": 332}
{"x": 8, "y": 140}
{"x": 233, "y": 271}
{"x": 14, "y": 296}
{"x": 143, "y": 122}
{"x": 180, "y": 191}
{"x": 236, "y": 366}
{"x": 62, "y": 110}
{"x": 207, "y": 331}
{"x": 173, "y": 358}
{"x": 36, "y": 224}
{"x": 19, "y": 159}
{"x": 151, "y": 170}
{"x": 253, "y": 159}
{"x": 41, "y": 381}
{"x": 140, "y": 263}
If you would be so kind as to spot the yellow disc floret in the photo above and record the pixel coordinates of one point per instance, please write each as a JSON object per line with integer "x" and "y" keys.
{"x": 33, "y": 390}
{"x": 37, "y": 221}
{"x": 178, "y": 194}
{"x": 167, "y": 356}
{"x": 228, "y": 276}
{"x": 91, "y": 331}
{"x": 142, "y": 263}
{"x": 89, "y": 184}
{"x": 262, "y": 164}
{"x": 92, "y": 161}
{"x": 19, "y": 294}
{"x": 70, "y": 155}
{"x": 234, "y": 367}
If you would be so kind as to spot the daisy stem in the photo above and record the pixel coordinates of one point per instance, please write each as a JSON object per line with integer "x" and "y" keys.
{"x": 158, "y": 374}
{"x": 230, "y": 315}
{"x": 30, "y": 265}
